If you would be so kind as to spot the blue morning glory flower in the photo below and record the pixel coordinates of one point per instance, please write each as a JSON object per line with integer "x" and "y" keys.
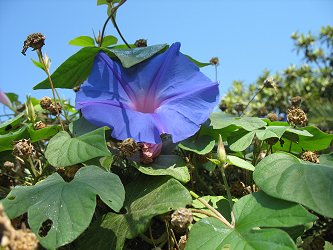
{"x": 165, "y": 94}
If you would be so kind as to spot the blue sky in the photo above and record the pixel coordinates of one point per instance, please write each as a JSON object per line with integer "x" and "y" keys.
{"x": 247, "y": 35}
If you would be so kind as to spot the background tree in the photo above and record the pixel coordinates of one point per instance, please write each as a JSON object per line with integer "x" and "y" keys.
{"x": 313, "y": 81}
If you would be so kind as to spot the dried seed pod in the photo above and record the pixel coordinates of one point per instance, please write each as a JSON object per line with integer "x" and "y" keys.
{"x": 45, "y": 102}
{"x": 223, "y": 106}
{"x": 214, "y": 61}
{"x": 272, "y": 117}
{"x": 35, "y": 41}
{"x": 181, "y": 218}
{"x": 141, "y": 43}
{"x": 23, "y": 148}
{"x": 270, "y": 83}
{"x": 297, "y": 117}
{"x": 310, "y": 156}
{"x": 39, "y": 125}
{"x": 128, "y": 147}
{"x": 54, "y": 109}
{"x": 296, "y": 101}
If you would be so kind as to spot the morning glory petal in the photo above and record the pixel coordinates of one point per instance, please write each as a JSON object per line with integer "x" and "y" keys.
{"x": 165, "y": 94}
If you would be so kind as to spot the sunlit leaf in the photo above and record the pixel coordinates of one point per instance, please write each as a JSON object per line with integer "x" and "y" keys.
{"x": 67, "y": 207}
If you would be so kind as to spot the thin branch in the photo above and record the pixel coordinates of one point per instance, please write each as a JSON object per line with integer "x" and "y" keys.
{"x": 113, "y": 10}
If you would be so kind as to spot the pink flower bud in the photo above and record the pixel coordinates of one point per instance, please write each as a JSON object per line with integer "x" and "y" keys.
{"x": 5, "y": 100}
{"x": 149, "y": 152}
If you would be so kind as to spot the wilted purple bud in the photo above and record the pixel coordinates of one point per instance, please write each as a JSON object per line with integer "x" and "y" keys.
{"x": 5, "y": 100}
{"x": 221, "y": 154}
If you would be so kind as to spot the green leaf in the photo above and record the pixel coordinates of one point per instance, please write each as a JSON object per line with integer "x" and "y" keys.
{"x": 6, "y": 141}
{"x": 73, "y": 71}
{"x": 68, "y": 206}
{"x": 84, "y": 41}
{"x": 255, "y": 215}
{"x": 171, "y": 165}
{"x": 63, "y": 150}
{"x": 236, "y": 161}
{"x": 220, "y": 203}
{"x": 309, "y": 138}
{"x": 38, "y": 64}
{"x": 81, "y": 126}
{"x": 130, "y": 57}
{"x": 104, "y": 162}
{"x": 223, "y": 120}
{"x": 243, "y": 142}
{"x": 202, "y": 145}
{"x": 286, "y": 177}
{"x": 146, "y": 197}
{"x": 10, "y": 124}
{"x": 44, "y": 133}
{"x": 109, "y": 40}
{"x": 199, "y": 64}
{"x": 326, "y": 159}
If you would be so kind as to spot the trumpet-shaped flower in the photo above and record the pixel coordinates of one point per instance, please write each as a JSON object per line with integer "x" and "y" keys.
{"x": 165, "y": 94}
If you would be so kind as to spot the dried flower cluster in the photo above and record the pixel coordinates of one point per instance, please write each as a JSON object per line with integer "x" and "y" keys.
{"x": 297, "y": 117}
{"x": 35, "y": 41}
{"x": 12, "y": 239}
{"x": 23, "y": 149}
{"x": 47, "y": 104}
{"x": 310, "y": 156}
{"x": 141, "y": 43}
{"x": 181, "y": 218}
{"x": 128, "y": 147}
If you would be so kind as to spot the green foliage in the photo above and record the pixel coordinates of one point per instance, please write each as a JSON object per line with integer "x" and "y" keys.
{"x": 312, "y": 81}
{"x": 257, "y": 218}
{"x": 130, "y": 57}
{"x": 84, "y": 41}
{"x": 202, "y": 145}
{"x": 286, "y": 177}
{"x": 171, "y": 165}
{"x": 63, "y": 150}
{"x": 69, "y": 207}
{"x": 159, "y": 195}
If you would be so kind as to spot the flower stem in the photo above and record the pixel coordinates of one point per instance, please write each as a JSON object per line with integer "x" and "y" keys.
{"x": 41, "y": 59}
{"x": 110, "y": 17}
{"x": 227, "y": 188}
{"x": 217, "y": 213}
{"x": 253, "y": 98}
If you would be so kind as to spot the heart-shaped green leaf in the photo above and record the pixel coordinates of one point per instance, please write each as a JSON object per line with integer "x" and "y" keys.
{"x": 84, "y": 41}
{"x": 6, "y": 140}
{"x": 130, "y": 57}
{"x": 286, "y": 177}
{"x": 67, "y": 207}
{"x": 146, "y": 197}
{"x": 255, "y": 214}
{"x": 63, "y": 150}
{"x": 73, "y": 71}
{"x": 236, "y": 161}
{"x": 239, "y": 141}
{"x": 171, "y": 165}
{"x": 109, "y": 40}
{"x": 10, "y": 124}
{"x": 202, "y": 145}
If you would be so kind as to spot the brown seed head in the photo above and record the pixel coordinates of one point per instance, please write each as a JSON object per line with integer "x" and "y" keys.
{"x": 45, "y": 102}
{"x": 23, "y": 148}
{"x": 223, "y": 106}
{"x": 272, "y": 117}
{"x": 310, "y": 156}
{"x": 128, "y": 147}
{"x": 214, "y": 61}
{"x": 181, "y": 218}
{"x": 35, "y": 41}
{"x": 54, "y": 109}
{"x": 270, "y": 83}
{"x": 296, "y": 101}
{"x": 297, "y": 117}
{"x": 39, "y": 125}
{"x": 239, "y": 107}
{"x": 141, "y": 43}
